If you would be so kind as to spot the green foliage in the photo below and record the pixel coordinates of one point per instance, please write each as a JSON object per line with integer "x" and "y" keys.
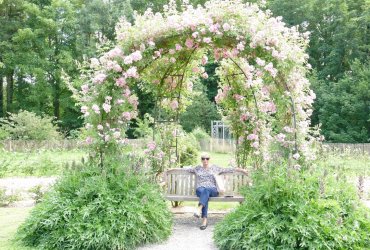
{"x": 343, "y": 107}
{"x": 143, "y": 128}
{"x": 199, "y": 114}
{"x": 339, "y": 54}
{"x": 28, "y": 126}
{"x": 88, "y": 209}
{"x": 188, "y": 149}
{"x": 200, "y": 134}
{"x": 6, "y": 199}
{"x": 37, "y": 192}
{"x": 291, "y": 210}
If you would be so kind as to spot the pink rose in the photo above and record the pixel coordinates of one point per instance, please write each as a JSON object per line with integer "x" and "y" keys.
{"x": 174, "y": 104}
{"x": 128, "y": 60}
{"x": 126, "y": 115}
{"x": 296, "y": 156}
{"x": 88, "y": 140}
{"x": 106, "y": 107}
{"x": 85, "y": 88}
{"x": 178, "y": 47}
{"x": 120, "y": 82}
{"x": 207, "y": 40}
{"x": 99, "y": 78}
{"x": 204, "y": 60}
{"x": 95, "y": 108}
{"x": 252, "y": 137}
{"x": 84, "y": 109}
{"x": 151, "y": 145}
{"x": 226, "y": 27}
{"x": 132, "y": 72}
{"x": 189, "y": 43}
{"x": 136, "y": 56}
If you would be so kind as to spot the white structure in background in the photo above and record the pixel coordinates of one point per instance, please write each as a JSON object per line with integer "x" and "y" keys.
{"x": 220, "y": 130}
{"x": 221, "y": 140}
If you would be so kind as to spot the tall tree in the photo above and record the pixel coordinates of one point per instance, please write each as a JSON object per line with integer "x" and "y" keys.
{"x": 11, "y": 18}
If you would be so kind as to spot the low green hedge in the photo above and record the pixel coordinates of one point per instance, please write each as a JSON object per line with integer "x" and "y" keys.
{"x": 291, "y": 210}
{"x": 90, "y": 210}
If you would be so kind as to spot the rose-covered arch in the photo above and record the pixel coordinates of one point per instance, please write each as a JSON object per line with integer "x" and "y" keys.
{"x": 263, "y": 90}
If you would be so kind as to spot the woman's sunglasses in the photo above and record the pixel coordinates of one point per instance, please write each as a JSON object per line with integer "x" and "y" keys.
{"x": 205, "y": 158}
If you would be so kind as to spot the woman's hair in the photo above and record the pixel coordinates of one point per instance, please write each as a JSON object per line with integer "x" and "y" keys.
{"x": 204, "y": 154}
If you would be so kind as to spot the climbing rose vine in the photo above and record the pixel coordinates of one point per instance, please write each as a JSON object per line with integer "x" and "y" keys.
{"x": 263, "y": 91}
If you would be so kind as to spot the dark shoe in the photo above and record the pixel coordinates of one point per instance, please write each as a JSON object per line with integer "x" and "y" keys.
{"x": 202, "y": 227}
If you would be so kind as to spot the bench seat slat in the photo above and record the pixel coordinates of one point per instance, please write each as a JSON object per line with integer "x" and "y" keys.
{"x": 195, "y": 198}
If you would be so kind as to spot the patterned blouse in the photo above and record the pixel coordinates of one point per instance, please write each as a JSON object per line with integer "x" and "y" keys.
{"x": 206, "y": 176}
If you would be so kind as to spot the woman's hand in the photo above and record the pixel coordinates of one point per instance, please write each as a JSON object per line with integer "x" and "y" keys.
{"x": 242, "y": 170}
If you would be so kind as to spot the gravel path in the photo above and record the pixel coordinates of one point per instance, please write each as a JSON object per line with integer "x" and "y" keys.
{"x": 187, "y": 235}
{"x": 21, "y": 186}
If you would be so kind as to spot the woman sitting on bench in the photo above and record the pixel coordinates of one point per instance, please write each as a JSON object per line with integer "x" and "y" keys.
{"x": 206, "y": 185}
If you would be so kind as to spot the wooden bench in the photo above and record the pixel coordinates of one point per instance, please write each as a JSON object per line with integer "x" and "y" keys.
{"x": 180, "y": 186}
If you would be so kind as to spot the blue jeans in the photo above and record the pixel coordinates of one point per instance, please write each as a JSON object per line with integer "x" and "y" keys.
{"x": 204, "y": 194}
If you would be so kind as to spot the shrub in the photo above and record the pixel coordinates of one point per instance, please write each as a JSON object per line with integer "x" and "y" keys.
{"x": 199, "y": 114}
{"x": 37, "y": 193}
{"x": 6, "y": 199}
{"x": 188, "y": 149}
{"x": 88, "y": 209}
{"x": 200, "y": 134}
{"x": 296, "y": 211}
{"x": 28, "y": 126}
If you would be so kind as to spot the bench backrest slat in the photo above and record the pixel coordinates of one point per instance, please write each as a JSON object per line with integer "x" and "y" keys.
{"x": 181, "y": 182}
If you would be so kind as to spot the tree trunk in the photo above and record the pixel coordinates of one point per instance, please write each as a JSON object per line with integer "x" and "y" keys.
{"x": 2, "y": 108}
{"x": 56, "y": 98}
{"x": 9, "y": 90}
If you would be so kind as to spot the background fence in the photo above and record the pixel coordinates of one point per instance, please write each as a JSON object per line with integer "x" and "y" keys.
{"x": 228, "y": 145}
{"x": 209, "y": 145}
{"x": 34, "y": 145}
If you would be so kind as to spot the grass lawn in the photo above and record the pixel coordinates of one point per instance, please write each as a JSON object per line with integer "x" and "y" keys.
{"x": 220, "y": 159}
{"x": 43, "y": 163}
{"x": 351, "y": 164}
{"x": 10, "y": 219}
